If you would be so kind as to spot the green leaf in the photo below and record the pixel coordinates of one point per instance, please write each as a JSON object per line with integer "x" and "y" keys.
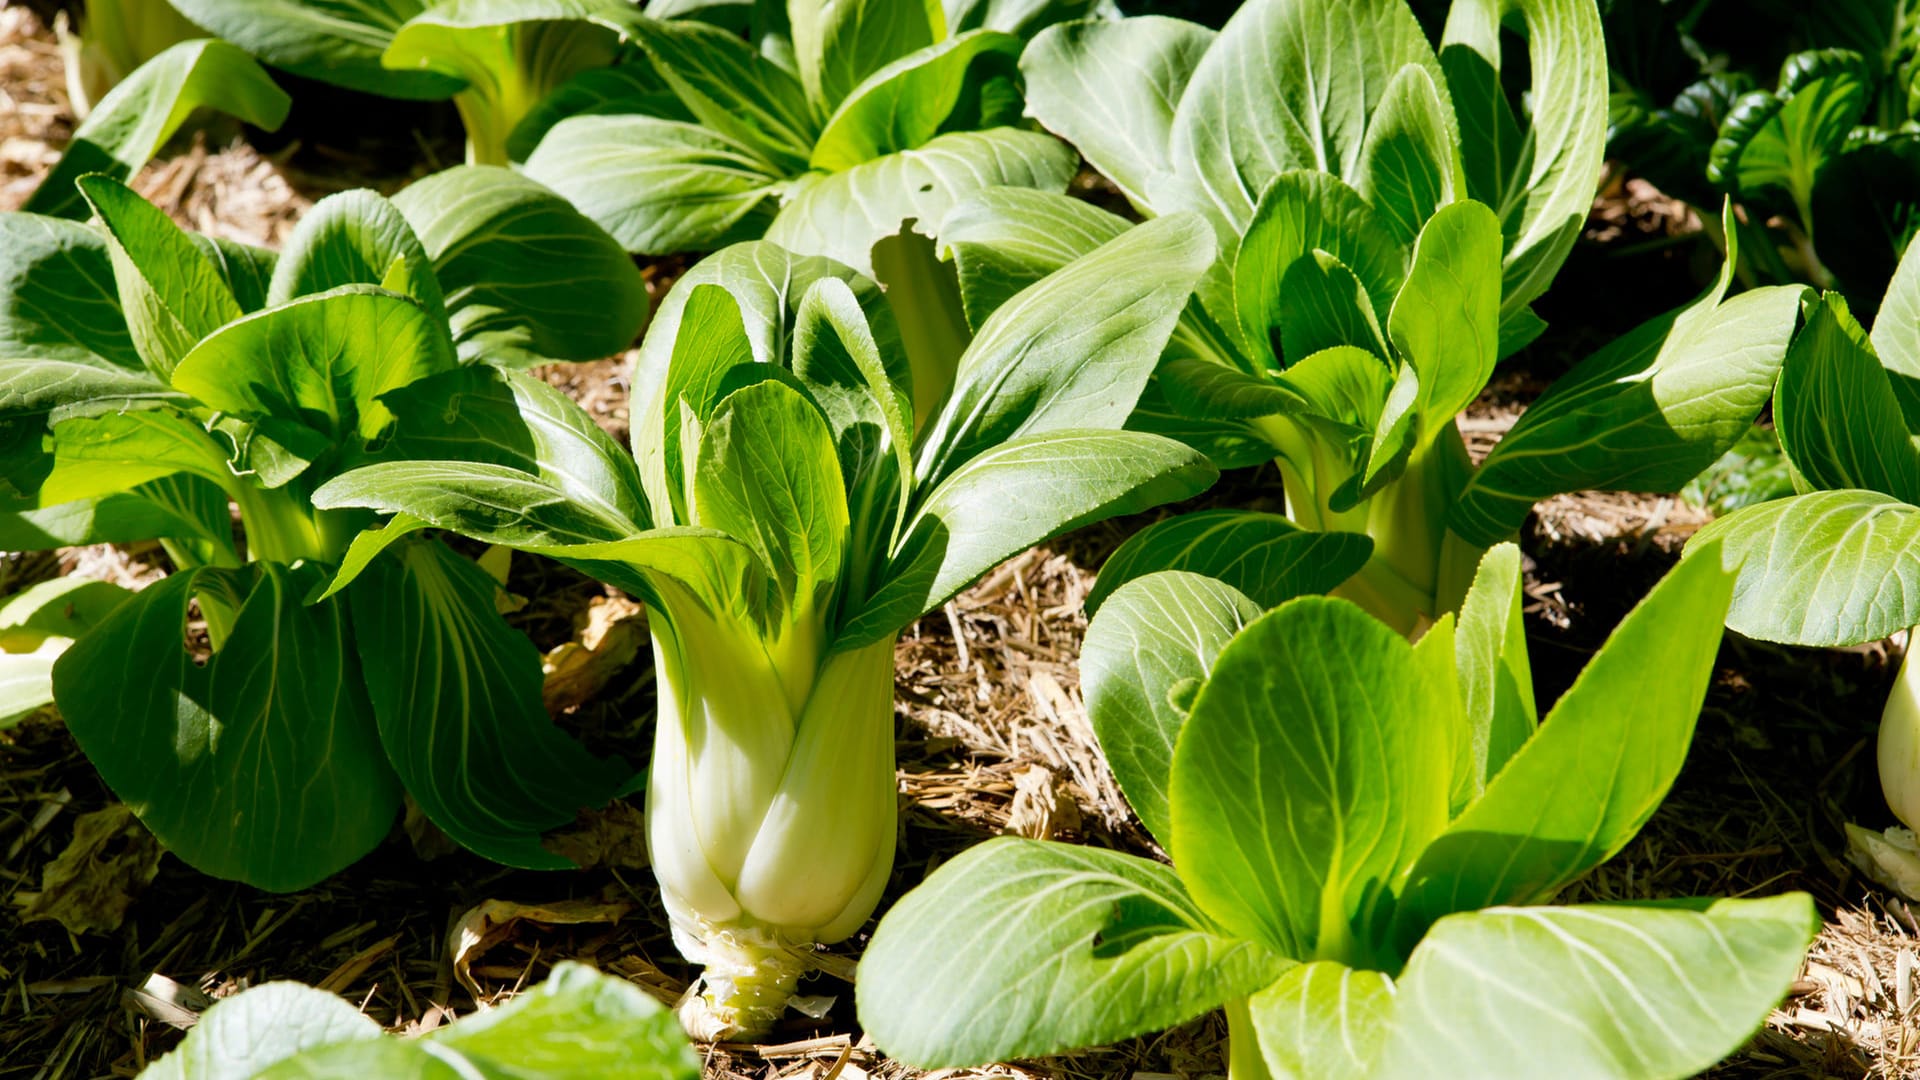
{"x": 1018, "y": 948}
{"x": 1781, "y": 139}
{"x": 112, "y": 452}
{"x": 1599, "y": 990}
{"x": 57, "y": 296}
{"x": 577, "y": 1025}
{"x": 510, "y": 53}
{"x": 1158, "y": 637}
{"x": 1073, "y": 351}
{"x": 1837, "y": 413}
{"x": 839, "y": 43}
{"x": 246, "y": 269}
{"x": 1830, "y": 568}
{"x": 1446, "y": 318}
{"x": 484, "y": 415}
{"x": 842, "y": 215}
{"x": 658, "y": 186}
{"x": 1540, "y": 181}
{"x": 1322, "y": 1021}
{"x": 1583, "y": 786}
{"x": 527, "y": 277}
{"x": 1302, "y": 213}
{"x": 263, "y": 766}
{"x": 456, "y": 692}
{"x": 183, "y": 507}
{"x": 334, "y": 41}
{"x": 1021, "y": 17}
{"x": 171, "y": 294}
{"x": 1896, "y": 334}
{"x": 904, "y": 104}
{"x": 1003, "y": 239}
{"x": 496, "y": 504}
{"x": 242, "y": 1035}
{"x": 36, "y": 626}
{"x": 767, "y": 474}
{"x": 136, "y": 118}
{"x": 1265, "y": 556}
{"x": 626, "y": 89}
{"x": 354, "y": 238}
{"x": 732, "y": 90}
{"x": 1110, "y": 89}
{"x": 1645, "y": 413}
{"x": 1306, "y": 781}
{"x": 1009, "y": 497}
{"x": 1409, "y": 164}
{"x": 318, "y": 364}
{"x": 1266, "y": 100}
{"x": 766, "y": 284}
{"x": 1490, "y": 654}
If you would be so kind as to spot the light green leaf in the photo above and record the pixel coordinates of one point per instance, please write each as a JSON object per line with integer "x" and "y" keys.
{"x": 510, "y": 53}
{"x": 1289, "y": 84}
{"x": 1645, "y": 413}
{"x": 1896, "y": 334}
{"x": 767, "y": 474}
{"x": 111, "y": 452}
{"x": 354, "y": 238}
{"x": 527, "y": 277}
{"x": 263, "y": 766}
{"x": 1540, "y": 181}
{"x": 577, "y": 1025}
{"x": 172, "y": 296}
{"x": 1600, "y": 991}
{"x": 1410, "y": 164}
{"x": 1837, "y": 413}
{"x": 1265, "y": 556}
{"x": 1305, "y": 782}
{"x": 839, "y": 43}
{"x": 657, "y": 186}
{"x": 1583, "y": 786}
{"x": 246, "y": 269}
{"x": 1009, "y": 497}
{"x": 242, "y": 1035}
{"x": 136, "y": 118}
{"x": 457, "y": 695}
{"x": 630, "y": 89}
{"x": 842, "y": 215}
{"x": 732, "y": 89}
{"x": 1446, "y": 319}
{"x": 1110, "y": 89}
{"x": 905, "y": 103}
{"x": 1323, "y": 305}
{"x": 57, "y": 295}
{"x": 482, "y": 414}
{"x": 186, "y": 508}
{"x": 766, "y": 283}
{"x": 495, "y": 504}
{"x": 1074, "y": 350}
{"x": 1322, "y": 1021}
{"x": 1496, "y": 679}
{"x": 1830, "y": 568}
{"x": 1300, "y": 213}
{"x": 1018, "y": 948}
{"x": 1158, "y": 637}
{"x": 334, "y": 41}
{"x": 36, "y": 626}
{"x": 319, "y": 363}
{"x": 1001, "y": 240}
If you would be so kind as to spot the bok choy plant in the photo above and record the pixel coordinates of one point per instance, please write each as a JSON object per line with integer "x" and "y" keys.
{"x": 1366, "y": 840}
{"x": 155, "y": 384}
{"x": 1834, "y": 565}
{"x": 1382, "y": 234}
{"x": 852, "y": 119}
{"x": 783, "y": 524}
{"x": 578, "y": 1023}
{"x": 496, "y": 59}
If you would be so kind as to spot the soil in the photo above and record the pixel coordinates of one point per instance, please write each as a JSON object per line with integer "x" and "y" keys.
{"x": 992, "y": 735}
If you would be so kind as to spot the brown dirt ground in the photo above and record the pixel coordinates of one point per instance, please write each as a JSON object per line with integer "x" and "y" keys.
{"x": 992, "y": 737}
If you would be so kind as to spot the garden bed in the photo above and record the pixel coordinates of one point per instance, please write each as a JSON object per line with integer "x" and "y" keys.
{"x": 992, "y": 736}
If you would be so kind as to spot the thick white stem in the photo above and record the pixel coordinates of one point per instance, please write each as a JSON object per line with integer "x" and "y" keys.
{"x": 1899, "y": 747}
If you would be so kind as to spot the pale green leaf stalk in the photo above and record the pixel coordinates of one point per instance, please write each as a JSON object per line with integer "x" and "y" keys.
{"x": 112, "y": 38}
{"x": 792, "y": 525}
